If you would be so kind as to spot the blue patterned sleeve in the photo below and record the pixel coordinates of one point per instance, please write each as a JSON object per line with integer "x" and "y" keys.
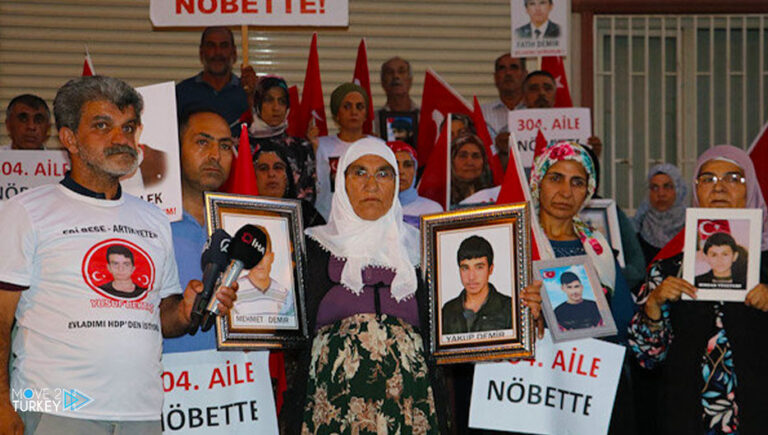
{"x": 650, "y": 339}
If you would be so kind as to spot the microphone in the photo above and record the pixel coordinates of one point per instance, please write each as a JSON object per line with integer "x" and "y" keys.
{"x": 246, "y": 250}
{"x": 212, "y": 262}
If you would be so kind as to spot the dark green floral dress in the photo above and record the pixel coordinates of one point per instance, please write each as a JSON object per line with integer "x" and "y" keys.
{"x": 368, "y": 375}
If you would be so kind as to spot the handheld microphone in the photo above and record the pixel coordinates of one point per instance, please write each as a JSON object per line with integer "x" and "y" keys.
{"x": 212, "y": 262}
{"x": 246, "y": 250}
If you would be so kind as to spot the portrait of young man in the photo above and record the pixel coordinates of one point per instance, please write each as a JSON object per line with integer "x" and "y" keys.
{"x": 121, "y": 264}
{"x": 479, "y": 306}
{"x": 727, "y": 264}
{"x": 260, "y": 293}
{"x": 576, "y": 312}
{"x": 540, "y": 25}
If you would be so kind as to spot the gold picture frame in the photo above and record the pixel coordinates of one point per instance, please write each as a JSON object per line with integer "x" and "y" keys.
{"x": 447, "y": 238}
{"x": 274, "y": 318}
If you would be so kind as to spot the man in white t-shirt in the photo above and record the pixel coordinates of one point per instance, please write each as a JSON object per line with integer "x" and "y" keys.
{"x": 88, "y": 361}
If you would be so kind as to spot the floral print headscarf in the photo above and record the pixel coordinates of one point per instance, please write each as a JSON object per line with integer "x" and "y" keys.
{"x": 596, "y": 246}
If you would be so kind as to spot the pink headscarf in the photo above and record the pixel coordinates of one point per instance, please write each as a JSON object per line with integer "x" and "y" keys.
{"x": 754, "y": 193}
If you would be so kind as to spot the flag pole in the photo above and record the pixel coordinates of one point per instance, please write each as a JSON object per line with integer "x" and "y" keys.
{"x": 538, "y": 61}
{"x": 244, "y": 41}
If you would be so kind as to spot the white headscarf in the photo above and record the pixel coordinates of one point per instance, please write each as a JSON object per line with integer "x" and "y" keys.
{"x": 387, "y": 241}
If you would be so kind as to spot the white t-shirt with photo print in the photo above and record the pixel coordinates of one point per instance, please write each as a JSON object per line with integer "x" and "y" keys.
{"x": 71, "y": 334}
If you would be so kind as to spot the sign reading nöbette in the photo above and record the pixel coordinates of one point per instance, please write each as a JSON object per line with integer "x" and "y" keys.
{"x": 317, "y": 13}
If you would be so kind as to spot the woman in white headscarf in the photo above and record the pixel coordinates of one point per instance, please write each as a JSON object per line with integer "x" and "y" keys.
{"x": 662, "y": 215}
{"x": 366, "y": 308}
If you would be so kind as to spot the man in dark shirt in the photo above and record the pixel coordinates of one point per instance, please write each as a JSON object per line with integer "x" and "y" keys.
{"x": 216, "y": 86}
{"x": 479, "y": 306}
{"x": 575, "y": 312}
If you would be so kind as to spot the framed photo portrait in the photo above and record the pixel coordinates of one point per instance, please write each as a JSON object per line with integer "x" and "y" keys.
{"x": 601, "y": 214}
{"x": 721, "y": 255}
{"x": 476, "y": 262}
{"x": 573, "y": 302}
{"x": 539, "y": 27}
{"x": 402, "y": 126}
{"x": 268, "y": 312}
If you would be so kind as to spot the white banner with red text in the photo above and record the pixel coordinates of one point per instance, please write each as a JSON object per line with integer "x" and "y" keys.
{"x": 555, "y": 124}
{"x": 157, "y": 179}
{"x": 568, "y": 389}
{"x": 216, "y": 392}
{"x": 316, "y": 13}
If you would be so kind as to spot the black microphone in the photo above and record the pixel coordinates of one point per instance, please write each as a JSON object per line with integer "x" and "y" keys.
{"x": 246, "y": 250}
{"x": 213, "y": 261}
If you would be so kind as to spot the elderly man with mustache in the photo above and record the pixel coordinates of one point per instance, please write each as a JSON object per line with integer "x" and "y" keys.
{"x": 72, "y": 336}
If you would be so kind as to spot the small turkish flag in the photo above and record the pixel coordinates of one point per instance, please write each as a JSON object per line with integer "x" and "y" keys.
{"x": 554, "y": 65}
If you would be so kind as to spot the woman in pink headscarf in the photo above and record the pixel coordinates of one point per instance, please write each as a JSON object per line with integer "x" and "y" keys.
{"x": 701, "y": 349}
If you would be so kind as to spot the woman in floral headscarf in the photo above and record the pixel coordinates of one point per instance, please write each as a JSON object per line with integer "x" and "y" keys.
{"x": 562, "y": 182}
{"x": 563, "y": 179}
{"x": 713, "y": 370}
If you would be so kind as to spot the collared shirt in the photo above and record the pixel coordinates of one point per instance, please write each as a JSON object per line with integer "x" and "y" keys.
{"x": 496, "y": 116}
{"x": 189, "y": 238}
{"x": 231, "y": 101}
{"x": 541, "y": 29}
{"x": 76, "y": 187}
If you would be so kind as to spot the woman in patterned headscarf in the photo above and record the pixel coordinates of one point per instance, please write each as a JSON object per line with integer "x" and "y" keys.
{"x": 714, "y": 343}
{"x": 662, "y": 215}
{"x": 563, "y": 180}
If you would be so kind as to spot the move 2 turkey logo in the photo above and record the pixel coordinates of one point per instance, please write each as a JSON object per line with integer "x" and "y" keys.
{"x": 119, "y": 270}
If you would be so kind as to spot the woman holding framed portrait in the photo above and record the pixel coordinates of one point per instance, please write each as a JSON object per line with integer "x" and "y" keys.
{"x": 563, "y": 180}
{"x": 715, "y": 343}
{"x": 366, "y": 306}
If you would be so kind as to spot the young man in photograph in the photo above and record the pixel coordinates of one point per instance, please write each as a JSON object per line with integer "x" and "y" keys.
{"x": 721, "y": 253}
{"x": 540, "y": 25}
{"x": 575, "y": 312}
{"x": 479, "y": 306}
{"x": 121, "y": 264}
{"x": 259, "y": 293}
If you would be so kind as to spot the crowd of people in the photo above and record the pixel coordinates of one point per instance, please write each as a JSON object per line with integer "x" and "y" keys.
{"x": 691, "y": 366}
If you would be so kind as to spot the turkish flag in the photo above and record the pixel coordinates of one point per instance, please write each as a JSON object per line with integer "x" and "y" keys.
{"x": 294, "y": 114}
{"x": 88, "y": 69}
{"x": 312, "y": 105}
{"x": 707, "y": 227}
{"x": 437, "y": 100}
{"x": 554, "y": 65}
{"x": 541, "y": 144}
{"x": 515, "y": 189}
{"x": 758, "y": 152}
{"x": 434, "y": 181}
{"x": 242, "y": 178}
{"x": 363, "y": 78}
{"x": 485, "y": 136}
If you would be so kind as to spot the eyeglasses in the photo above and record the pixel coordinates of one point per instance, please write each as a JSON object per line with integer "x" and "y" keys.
{"x": 730, "y": 179}
{"x": 361, "y": 175}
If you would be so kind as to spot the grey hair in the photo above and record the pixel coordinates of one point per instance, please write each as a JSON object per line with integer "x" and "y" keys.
{"x": 69, "y": 101}
{"x": 30, "y": 100}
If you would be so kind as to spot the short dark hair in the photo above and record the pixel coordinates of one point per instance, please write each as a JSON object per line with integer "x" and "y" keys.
{"x": 30, "y": 100}
{"x": 474, "y": 247}
{"x": 498, "y": 59}
{"x": 538, "y": 73}
{"x": 720, "y": 239}
{"x": 568, "y": 277}
{"x": 187, "y": 114}
{"x": 215, "y": 28}
{"x": 70, "y": 99}
{"x": 525, "y": 2}
{"x": 119, "y": 250}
